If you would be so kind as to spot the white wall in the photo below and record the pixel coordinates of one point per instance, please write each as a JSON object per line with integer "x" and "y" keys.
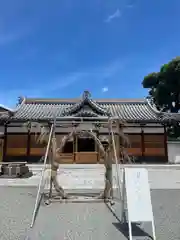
{"x": 173, "y": 151}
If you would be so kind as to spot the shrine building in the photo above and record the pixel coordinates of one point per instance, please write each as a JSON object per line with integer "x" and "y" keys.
{"x": 142, "y": 124}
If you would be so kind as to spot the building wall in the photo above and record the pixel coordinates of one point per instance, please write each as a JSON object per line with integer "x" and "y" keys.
{"x": 150, "y": 146}
{"x": 1, "y": 149}
{"x": 174, "y": 152}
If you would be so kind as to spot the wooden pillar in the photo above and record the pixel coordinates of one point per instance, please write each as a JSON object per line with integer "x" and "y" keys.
{"x": 1, "y": 149}
{"x": 110, "y": 152}
{"x": 74, "y": 149}
{"x": 165, "y": 142}
{"x": 118, "y": 139}
{"x": 97, "y": 147}
{"x": 108, "y": 173}
{"x": 28, "y": 147}
{"x": 5, "y": 143}
{"x": 76, "y": 143}
{"x": 142, "y": 143}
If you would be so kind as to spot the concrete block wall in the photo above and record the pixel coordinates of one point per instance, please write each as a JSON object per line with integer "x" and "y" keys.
{"x": 173, "y": 152}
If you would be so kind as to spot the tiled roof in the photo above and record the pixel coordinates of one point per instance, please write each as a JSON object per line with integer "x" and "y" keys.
{"x": 125, "y": 111}
{"x": 170, "y": 117}
{"x": 76, "y": 100}
{"x": 4, "y": 109}
{"x": 5, "y": 112}
{"x": 167, "y": 117}
{"x": 130, "y": 110}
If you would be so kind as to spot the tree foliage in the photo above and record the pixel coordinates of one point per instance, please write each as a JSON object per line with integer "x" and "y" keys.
{"x": 164, "y": 86}
{"x": 174, "y": 131}
{"x": 164, "y": 90}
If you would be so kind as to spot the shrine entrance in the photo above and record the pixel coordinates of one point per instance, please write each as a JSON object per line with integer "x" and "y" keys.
{"x": 81, "y": 149}
{"x": 85, "y": 144}
{"x": 86, "y": 150}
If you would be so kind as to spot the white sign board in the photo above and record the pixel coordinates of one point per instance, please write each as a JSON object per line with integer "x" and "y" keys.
{"x": 138, "y": 195}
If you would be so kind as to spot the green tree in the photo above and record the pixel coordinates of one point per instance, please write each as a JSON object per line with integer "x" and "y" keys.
{"x": 164, "y": 88}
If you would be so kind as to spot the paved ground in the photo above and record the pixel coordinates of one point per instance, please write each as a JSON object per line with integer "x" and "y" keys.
{"x": 80, "y": 221}
{"x": 16, "y": 207}
{"x": 92, "y": 177}
{"x": 76, "y": 221}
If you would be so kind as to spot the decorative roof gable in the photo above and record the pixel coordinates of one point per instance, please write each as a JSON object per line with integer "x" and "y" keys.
{"x": 86, "y": 108}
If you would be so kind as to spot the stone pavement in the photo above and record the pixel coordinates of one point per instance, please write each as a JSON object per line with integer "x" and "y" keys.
{"x": 92, "y": 177}
{"x": 76, "y": 221}
{"x": 79, "y": 221}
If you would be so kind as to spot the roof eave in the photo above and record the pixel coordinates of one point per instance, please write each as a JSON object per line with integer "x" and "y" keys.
{"x": 165, "y": 116}
{"x": 6, "y": 108}
{"x": 50, "y": 120}
{"x": 152, "y": 108}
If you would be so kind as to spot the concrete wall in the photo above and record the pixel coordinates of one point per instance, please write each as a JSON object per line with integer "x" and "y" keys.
{"x": 173, "y": 151}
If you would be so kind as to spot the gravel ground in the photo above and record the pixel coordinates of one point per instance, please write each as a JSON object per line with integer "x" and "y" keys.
{"x": 89, "y": 221}
{"x": 166, "y": 210}
{"x": 16, "y": 208}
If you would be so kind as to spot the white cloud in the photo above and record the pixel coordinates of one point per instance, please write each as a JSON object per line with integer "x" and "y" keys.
{"x": 116, "y": 14}
{"x": 105, "y": 89}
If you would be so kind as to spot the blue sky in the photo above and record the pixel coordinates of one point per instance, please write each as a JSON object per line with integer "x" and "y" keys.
{"x": 60, "y": 48}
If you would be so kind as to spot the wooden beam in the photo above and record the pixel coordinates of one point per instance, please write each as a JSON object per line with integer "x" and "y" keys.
{"x": 118, "y": 139}
{"x": 74, "y": 149}
{"x": 102, "y": 133}
{"x": 5, "y": 143}
{"x": 97, "y": 147}
{"x": 110, "y": 152}
{"x": 105, "y": 122}
{"x": 28, "y": 147}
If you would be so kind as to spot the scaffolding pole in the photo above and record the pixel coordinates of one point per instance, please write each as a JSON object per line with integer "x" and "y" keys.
{"x": 42, "y": 176}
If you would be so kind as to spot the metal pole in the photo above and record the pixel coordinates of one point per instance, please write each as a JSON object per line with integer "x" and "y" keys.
{"x": 42, "y": 175}
{"x": 116, "y": 160}
{"x": 123, "y": 196}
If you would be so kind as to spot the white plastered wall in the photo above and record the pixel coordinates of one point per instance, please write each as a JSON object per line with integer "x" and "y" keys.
{"x": 173, "y": 152}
